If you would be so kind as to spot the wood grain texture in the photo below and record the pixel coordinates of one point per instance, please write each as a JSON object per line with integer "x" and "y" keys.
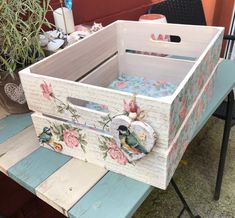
{"x": 76, "y": 60}
{"x": 154, "y": 67}
{"x": 17, "y": 139}
{"x": 136, "y": 36}
{"x": 11, "y": 125}
{"x": 113, "y": 196}
{"x": 36, "y": 167}
{"x": 17, "y": 148}
{"x": 68, "y": 184}
{"x": 100, "y": 77}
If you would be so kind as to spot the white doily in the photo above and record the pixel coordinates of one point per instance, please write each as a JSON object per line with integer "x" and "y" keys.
{"x": 15, "y": 93}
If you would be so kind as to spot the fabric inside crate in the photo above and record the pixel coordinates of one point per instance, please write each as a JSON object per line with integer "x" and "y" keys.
{"x": 138, "y": 85}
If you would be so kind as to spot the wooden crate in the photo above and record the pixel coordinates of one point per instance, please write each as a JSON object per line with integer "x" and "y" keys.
{"x": 59, "y": 87}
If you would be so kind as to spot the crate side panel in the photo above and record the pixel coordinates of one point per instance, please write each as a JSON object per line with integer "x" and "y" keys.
{"x": 137, "y": 36}
{"x": 155, "y": 67}
{"x": 176, "y": 151}
{"x": 49, "y": 96}
{"x": 150, "y": 169}
{"x": 76, "y": 60}
{"x": 187, "y": 96}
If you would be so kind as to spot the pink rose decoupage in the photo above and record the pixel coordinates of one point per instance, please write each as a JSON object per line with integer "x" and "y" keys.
{"x": 62, "y": 107}
{"x": 71, "y": 138}
{"x": 192, "y": 89}
{"x": 56, "y": 136}
{"x": 109, "y": 148}
{"x": 177, "y": 150}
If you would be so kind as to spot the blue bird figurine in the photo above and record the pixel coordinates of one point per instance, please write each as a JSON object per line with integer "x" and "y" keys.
{"x": 45, "y": 136}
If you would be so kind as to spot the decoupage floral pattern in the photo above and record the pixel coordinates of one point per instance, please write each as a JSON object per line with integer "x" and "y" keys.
{"x": 47, "y": 92}
{"x": 57, "y": 136}
{"x": 132, "y": 139}
{"x": 187, "y": 132}
{"x": 185, "y": 100}
{"x": 109, "y": 148}
{"x": 130, "y": 109}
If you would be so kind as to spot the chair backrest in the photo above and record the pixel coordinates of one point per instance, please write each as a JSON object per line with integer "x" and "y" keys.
{"x": 180, "y": 11}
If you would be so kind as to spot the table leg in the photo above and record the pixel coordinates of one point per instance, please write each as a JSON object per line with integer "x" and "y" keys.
{"x": 180, "y": 195}
{"x": 224, "y": 147}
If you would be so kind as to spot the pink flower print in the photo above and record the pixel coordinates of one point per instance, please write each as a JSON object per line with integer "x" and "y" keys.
{"x": 201, "y": 80}
{"x": 121, "y": 85}
{"x": 185, "y": 145}
{"x": 160, "y": 82}
{"x": 186, "y": 127}
{"x": 104, "y": 107}
{"x": 211, "y": 65}
{"x": 201, "y": 106}
{"x": 46, "y": 90}
{"x": 71, "y": 138}
{"x": 116, "y": 154}
{"x": 131, "y": 107}
{"x": 183, "y": 109}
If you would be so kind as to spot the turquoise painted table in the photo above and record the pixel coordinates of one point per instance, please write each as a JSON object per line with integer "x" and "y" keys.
{"x": 51, "y": 176}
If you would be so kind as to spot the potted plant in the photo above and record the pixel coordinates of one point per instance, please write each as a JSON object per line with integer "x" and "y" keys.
{"x": 21, "y": 23}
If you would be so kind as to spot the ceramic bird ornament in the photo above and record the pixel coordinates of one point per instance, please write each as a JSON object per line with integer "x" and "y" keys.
{"x": 45, "y": 136}
{"x": 135, "y": 138}
{"x": 130, "y": 142}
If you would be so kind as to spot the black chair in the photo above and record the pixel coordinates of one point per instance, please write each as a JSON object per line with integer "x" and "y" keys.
{"x": 180, "y": 11}
{"x": 191, "y": 12}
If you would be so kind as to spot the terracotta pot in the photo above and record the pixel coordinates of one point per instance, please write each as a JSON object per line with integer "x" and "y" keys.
{"x": 12, "y": 97}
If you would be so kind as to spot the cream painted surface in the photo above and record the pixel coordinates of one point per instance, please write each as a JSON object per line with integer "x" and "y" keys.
{"x": 68, "y": 184}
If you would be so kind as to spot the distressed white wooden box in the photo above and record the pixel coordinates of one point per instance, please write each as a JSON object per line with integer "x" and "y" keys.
{"x": 58, "y": 88}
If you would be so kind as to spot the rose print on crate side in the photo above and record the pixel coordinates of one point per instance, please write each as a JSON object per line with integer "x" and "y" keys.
{"x": 201, "y": 81}
{"x": 183, "y": 110}
{"x": 71, "y": 138}
{"x": 47, "y": 92}
{"x": 121, "y": 85}
{"x": 109, "y": 147}
{"x": 57, "y": 135}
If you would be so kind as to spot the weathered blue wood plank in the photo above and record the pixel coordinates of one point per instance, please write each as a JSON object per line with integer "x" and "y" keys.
{"x": 113, "y": 196}
{"x": 35, "y": 168}
{"x": 13, "y": 124}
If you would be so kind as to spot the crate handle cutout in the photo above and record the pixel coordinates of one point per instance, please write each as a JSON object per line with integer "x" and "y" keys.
{"x": 92, "y": 106}
{"x": 165, "y": 38}
{"x": 99, "y": 131}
